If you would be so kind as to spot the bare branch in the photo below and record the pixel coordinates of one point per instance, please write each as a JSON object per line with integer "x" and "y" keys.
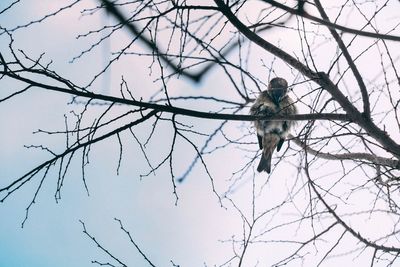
{"x": 348, "y": 156}
{"x": 330, "y": 25}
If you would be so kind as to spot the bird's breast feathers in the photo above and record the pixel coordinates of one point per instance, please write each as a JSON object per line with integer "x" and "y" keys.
{"x": 267, "y": 108}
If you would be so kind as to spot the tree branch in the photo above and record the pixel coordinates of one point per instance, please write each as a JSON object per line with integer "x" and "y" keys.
{"x": 196, "y": 77}
{"x": 319, "y": 77}
{"x": 331, "y": 25}
{"x": 177, "y": 110}
{"x": 29, "y": 175}
{"x": 350, "y": 61}
{"x": 348, "y": 156}
{"x": 357, "y": 235}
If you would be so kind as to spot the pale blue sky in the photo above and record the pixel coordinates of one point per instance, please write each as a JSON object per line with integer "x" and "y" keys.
{"x": 52, "y": 236}
{"x": 190, "y": 233}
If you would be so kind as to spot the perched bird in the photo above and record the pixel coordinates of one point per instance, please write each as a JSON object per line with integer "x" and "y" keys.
{"x": 272, "y": 134}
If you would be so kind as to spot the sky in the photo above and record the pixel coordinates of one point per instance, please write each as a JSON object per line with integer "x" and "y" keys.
{"x": 53, "y": 234}
{"x": 194, "y": 232}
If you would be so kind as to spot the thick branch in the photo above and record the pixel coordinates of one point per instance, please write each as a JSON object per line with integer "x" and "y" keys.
{"x": 331, "y": 25}
{"x": 182, "y": 111}
{"x": 321, "y": 78}
{"x": 350, "y": 61}
{"x": 348, "y": 156}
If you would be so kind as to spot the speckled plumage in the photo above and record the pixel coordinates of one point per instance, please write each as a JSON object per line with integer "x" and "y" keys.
{"x": 272, "y": 134}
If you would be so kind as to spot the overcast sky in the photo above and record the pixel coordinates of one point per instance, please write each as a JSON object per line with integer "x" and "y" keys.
{"x": 190, "y": 233}
{"x": 52, "y": 236}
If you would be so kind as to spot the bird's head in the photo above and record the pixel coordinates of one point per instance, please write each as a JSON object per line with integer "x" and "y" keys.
{"x": 277, "y": 89}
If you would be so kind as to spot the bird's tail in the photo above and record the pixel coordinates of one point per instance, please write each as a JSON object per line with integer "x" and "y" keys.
{"x": 270, "y": 141}
{"x": 265, "y": 163}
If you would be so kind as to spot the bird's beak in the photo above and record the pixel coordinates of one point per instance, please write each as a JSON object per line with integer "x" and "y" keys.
{"x": 277, "y": 94}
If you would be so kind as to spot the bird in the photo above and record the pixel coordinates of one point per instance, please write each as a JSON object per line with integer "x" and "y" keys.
{"x": 272, "y": 134}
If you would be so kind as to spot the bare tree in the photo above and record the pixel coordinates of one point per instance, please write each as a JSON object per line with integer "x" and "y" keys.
{"x": 338, "y": 177}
